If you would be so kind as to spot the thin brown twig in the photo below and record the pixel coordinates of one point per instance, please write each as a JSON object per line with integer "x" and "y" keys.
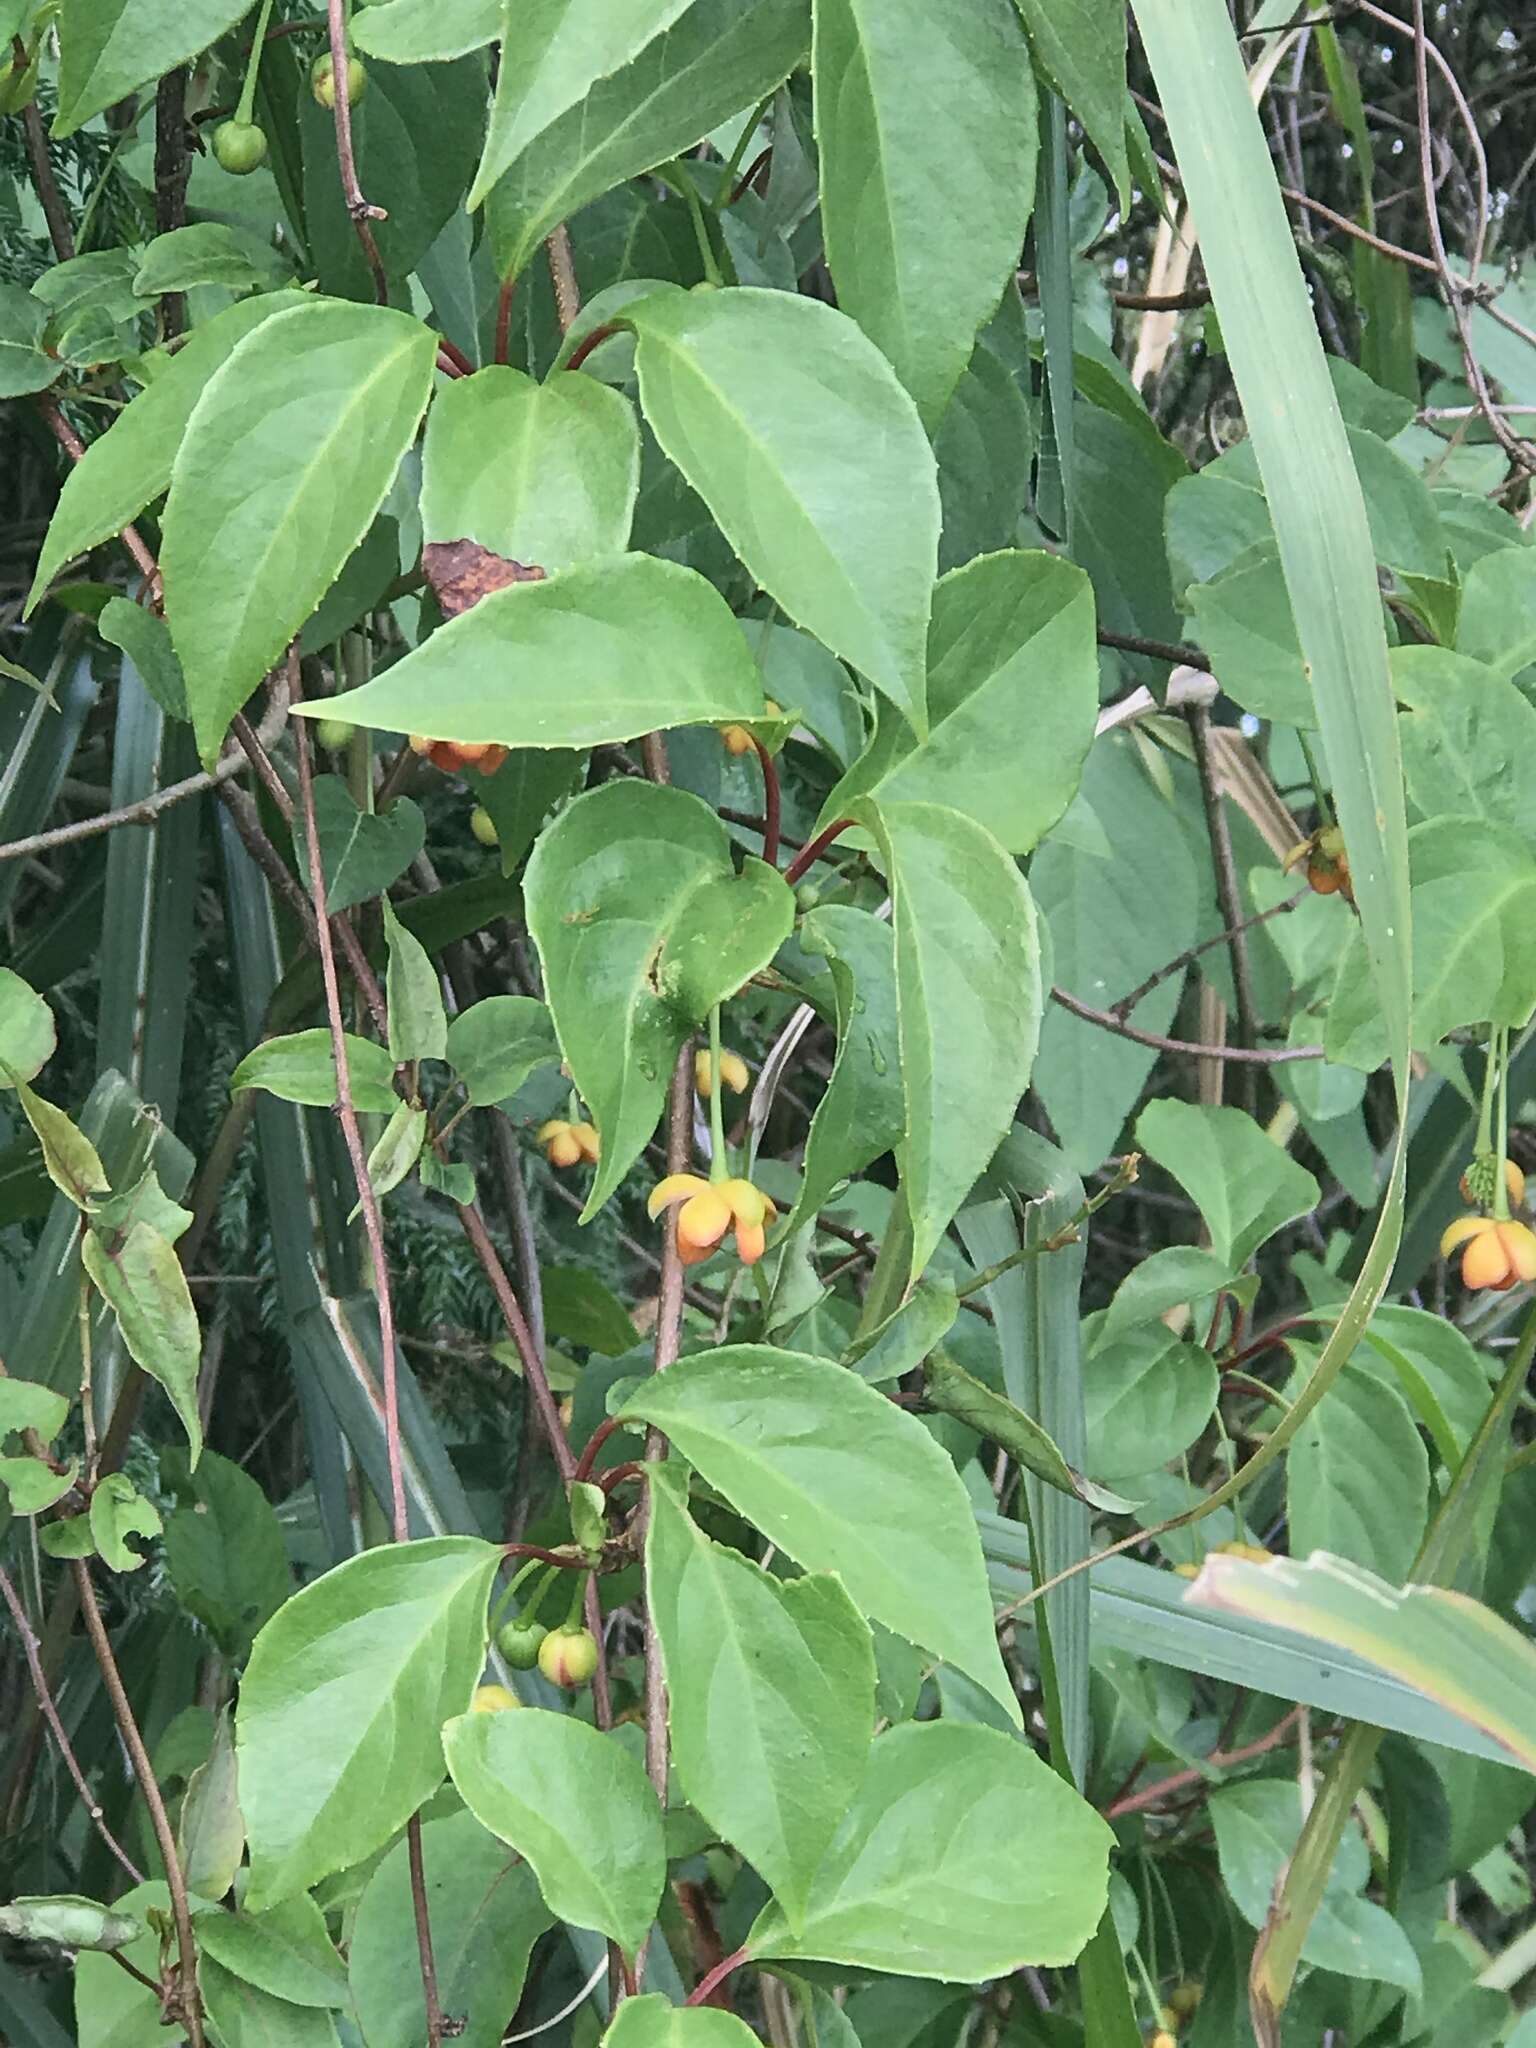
{"x": 548, "y": 1409}
{"x": 49, "y": 197}
{"x": 1228, "y": 894}
{"x": 27, "y": 1637}
{"x": 1179, "y": 652}
{"x": 1191, "y": 954}
{"x": 1258, "y": 1056}
{"x": 190, "y": 2004}
{"x": 771, "y": 804}
{"x": 1219, "y": 1760}
{"x": 361, "y": 214}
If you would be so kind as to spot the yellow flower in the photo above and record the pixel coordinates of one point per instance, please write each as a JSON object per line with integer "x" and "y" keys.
{"x": 1497, "y": 1254}
{"x": 566, "y": 1144}
{"x": 733, "y": 1072}
{"x": 708, "y": 1209}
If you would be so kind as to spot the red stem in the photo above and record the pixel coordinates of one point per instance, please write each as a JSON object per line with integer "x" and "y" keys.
{"x": 456, "y": 356}
{"x": 699, "y": 1995}
{"x": 770, "y": 804}
{"x": 447, "y": 365}
{"x": 585, "y": 347}
{"x": 813, "y": 849}
{"x": 566, "y": 1564}
{"x": 594, "y": 1444}
{"x": 504, "y": 321}
{"x": 617, "y": 1473}
{"x": 750, "y": 173}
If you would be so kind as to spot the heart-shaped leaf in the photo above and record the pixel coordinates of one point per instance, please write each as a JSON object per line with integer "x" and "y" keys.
{"x": 361, "y": 852}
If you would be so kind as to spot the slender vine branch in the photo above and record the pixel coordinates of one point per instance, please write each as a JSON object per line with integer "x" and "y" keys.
{"x": 1218, "y": 1760}
{"x": 1259, "y": 1056}
{"x": 1191, "y": 954}
{"x": 771, "y": 804}
{"x": 474, "y": 1228}
{"x": 44, "y": 183}
{"x": 1228, "y": 894}
{"x": 361, "y": 214}
{"x": 813, "y": 849}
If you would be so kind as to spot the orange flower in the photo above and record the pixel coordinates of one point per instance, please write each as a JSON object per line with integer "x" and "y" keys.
{"x": 566, "y": 1144}
{"x": 452, "y": 755}
{"x": 708, "y": 1209}
{"x": 1497, "y": 1254}
{"x": 733, "y": 1072}
{"x": 1326, "y": 861}
{"x": 738, "y": 738}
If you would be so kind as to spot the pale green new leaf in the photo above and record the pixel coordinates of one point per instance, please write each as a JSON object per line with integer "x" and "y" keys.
{"x": 24, "y": 1404}
{"x": 924, "y": 115}
{"x": 300, "y": 1068}
{"x": 27, "y": 1034}
{"x": 427, "y": 31}
{"x": 963, "y": 1856}
{"x": 110, "y": 47}
{"x": 842, "y": 1481}
{"x": 576, "y": 1803}
{"x": 601, "y": 652}
{"x": 352, "y": 1678}
{"x": 141, "y": 1276}
{"x": 655, "y": 2022}
{"x": 1244, "y": 1185}
{"x": 418, "y": 1022}
{"x": 69, "y": 1158}
{"x": 787, "y": 1666}
{"x": 790, "y": 425}
{"x": 25, "y": 365}
{"x": 118, "y": 1510}
{"x": 286, "y": 458}
{"x": 495, "y": 1044}
{"x": 541, "y": 473}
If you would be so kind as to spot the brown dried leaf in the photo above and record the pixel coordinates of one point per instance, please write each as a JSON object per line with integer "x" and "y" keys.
{"x": 461, "y": 572}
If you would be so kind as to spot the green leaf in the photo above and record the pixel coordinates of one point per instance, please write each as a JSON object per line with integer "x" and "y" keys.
{"x": 1013, "y": 692}
{"x": 397, "y": 1151}
{"x": 843, "y": 1481}
{"x": 541, "y": 473}
{"x": 418, "y": 1023}
{"x": 953, "y": 1391}
{"x": 485, "y": 1912}
{"x": 356, "y": 1674}
{"x": 787, "y": 1665}
{"x": 963, "y": 1856}
{"x": 908, "y": 1335}
{"x": 642, "y": 925}
{"x": 146, "y": 640}
{"x": 1357, "y": 1478}
{"x": 912, "y": 108}
{"x": 284, "y": 1951}
{"x": 790, "y": 424}
{"x": 579, "y": 1309}
{"x": 70, "y": 1537}
{"x": 495, "y": 1044}
{"x": 69, "y": 1157}
{"x": 985, "y": 448}
{"x": 521, "y": 794}
{"x": 300, "y": 1068}
{"x": 210, "y": 1829}
{"x": 1497, "y": 621}
{"x": 287, "y": 456}
{"x": 206, "y": 253}
{"x": 34, "y": 1486}
{"x": 655, "y": 2022}
{"x": 110, "y": 47}
{"x": 118, "y": 1511}
{"x": 1257, "y": 1826}
{"x": 968, "y": 1001}
{"x": 224, "y": 1552}
{"x": 863, "y": 1112}
{"x": 716, "y": 59}
{"x": 427, "y": 31}
{"x": 1244, "y": 622}
{"x": 111, "y": 2009}
{"x": 129, "y": 465}
{"x": 140, "y": 1275}
{"x": 25, "y": 364}
{"x": 1435, "y": 1367}
{"x": 577, "y": 1804}
{"x": 246, "y": 2017}
{"x": 1178, "y": 1273}
{"x": 1243, "y": 1184}
{"x": 26, "y": 1405}
{"x": 1147, "y": 1396}
{"x": 1468, "y": 739}
{"x": 1081, "y": 49}
{"x": 602, "y": 652}
{"x": 27, "y": 1034}
{"x": 361, "y": 852}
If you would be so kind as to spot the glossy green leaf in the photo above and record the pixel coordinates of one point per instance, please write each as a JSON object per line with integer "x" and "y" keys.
{"x": 642, "y": 924}
{"x": 207, "y": 253}
{"x": 26, "y": 1405}
{"x": 1147, "y": 1396}
{"x": 146, "y": 640}
{"x": 284, "y": 1951}
{"x": 863, "y": 1112}
{"x": 968, "y": 1001}
{"x": 914, "y": 107}
{"x": 355, "y": 1675}
{"x": 789, "y": 423}
{"x": 963, "y": 1856}
{"x": 25, "y": 365}
{"x": 286, "y": 458}
{"x": 130, "y": 464}
{"x": 1244, "y": 1185}
{"x": 69, "y": 1157}
{"x": 787, "y": 1665}
{"x": 1357, "y": 1478}
{"x": 109, "y": 47}
{"x": 141, "y": 1276}
{"x": 118, "y": 1510}
{"x": 1468, "y": 738}
{"x": 541, "y": 473}
{"x": 485, "y": 1912}
{"x": 495, "y": 1044}
{"x": 1080, "y": 48}
{"x": 361, "y": 852}
{"x": 655, "y": 2022}
{"x": 717, "y": 58}
{"x": 27, "y": 1034}
{"x": 843, "y": 1482}
{"x": 427, "y": 31}
{"x": 602, "y": 652}
{"x": 1013, "y": 692}
{"x": 418, "y": 1022}
{"x": 300, "y": 1068}
{"x": 576, "y": 1803}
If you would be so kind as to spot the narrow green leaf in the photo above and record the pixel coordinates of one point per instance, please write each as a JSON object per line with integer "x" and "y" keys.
{"x": 576, "y": 1803}
{"x": 356, "y": 1674}
{"x": 953, "y": 1391}
{"x": 842, "y": 1481}
{"x": 27, "y": 1034}
{"x": 397, "y": 1151}
{"x": 789, "y": 423}
{"x": 299, "y": 1068}
{"x": 642, "y": 924}
{"x": 418, "y": 1022}
{"x": 913, "y": 107}
{"x": 141, "y": 1276}
{"x": 1081, "y": 49}
{"x": 788, "y": 1665}
{"x": 286, "y": 458}
{"x": 210, "y": 1829}
{"x": 495, "y": 1044}
{"x": 601, "y": 652}
{"x": 69, "y": 1157}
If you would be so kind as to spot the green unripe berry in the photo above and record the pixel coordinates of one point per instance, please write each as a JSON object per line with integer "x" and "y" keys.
{"x": 568, "y": 1656}
{"x": 322, "y": 80}
{"x": 240, "y": 147}
{"x": 483, "y": 825}
{"x": 520, "y": 1641}
{"x": 334, "y": 734}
